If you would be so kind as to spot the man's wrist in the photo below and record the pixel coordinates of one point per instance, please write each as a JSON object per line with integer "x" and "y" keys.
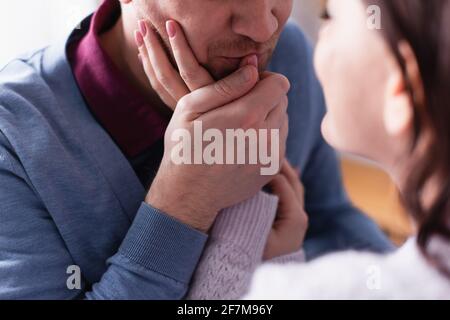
{"x": 160, "y": 243}
{"x": 185, "y": 209}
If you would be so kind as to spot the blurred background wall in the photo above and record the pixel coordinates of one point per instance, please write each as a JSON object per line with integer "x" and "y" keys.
{"x": 306, "y": 13}
{"x": 28, "y": 24}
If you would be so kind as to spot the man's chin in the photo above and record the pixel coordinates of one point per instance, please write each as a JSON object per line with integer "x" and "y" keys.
{"x": 222, "y": 67}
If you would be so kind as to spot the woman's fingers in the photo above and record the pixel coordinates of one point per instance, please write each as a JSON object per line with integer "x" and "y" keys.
{"x": 293, "y": 178}
{"x": 193, "y": 74}
{"x": 164, "y": 72}
{"x": 288, "y": 200}
{"x": 275, "y": 118}
{"x": 148, "y": 69}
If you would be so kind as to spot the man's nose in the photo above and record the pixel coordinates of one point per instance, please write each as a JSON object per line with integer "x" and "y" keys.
{"x": 255, "y": 19}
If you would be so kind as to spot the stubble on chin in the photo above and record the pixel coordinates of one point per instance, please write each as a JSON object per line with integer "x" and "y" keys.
{"x": 218, "y": 71}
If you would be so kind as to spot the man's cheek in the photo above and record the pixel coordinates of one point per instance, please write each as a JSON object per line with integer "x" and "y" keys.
{"x": 197, "y": 42}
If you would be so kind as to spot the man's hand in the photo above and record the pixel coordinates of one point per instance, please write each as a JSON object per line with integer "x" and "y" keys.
{"x": 291, "y": 223}
{"x": 194, "y": 194}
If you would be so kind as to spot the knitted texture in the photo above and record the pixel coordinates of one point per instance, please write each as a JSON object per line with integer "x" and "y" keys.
{"x": 235, "y": 249}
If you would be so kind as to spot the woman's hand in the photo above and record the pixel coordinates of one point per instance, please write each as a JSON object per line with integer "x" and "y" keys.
{"x": 171, "y": 85}
{"x": 291, "y": 222}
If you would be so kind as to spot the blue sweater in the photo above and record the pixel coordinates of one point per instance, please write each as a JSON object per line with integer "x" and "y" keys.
{"x": 69, "y": 197}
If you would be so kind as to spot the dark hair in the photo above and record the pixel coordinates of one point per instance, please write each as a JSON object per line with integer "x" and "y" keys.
{"x": 425, "y": 26}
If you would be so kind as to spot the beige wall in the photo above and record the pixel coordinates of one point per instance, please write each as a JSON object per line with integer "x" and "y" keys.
{"x": 307, "y": 13}
{"x": 29, "y": 24}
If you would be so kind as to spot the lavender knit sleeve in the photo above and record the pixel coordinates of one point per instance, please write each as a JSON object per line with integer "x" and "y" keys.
{"x": 296, "y": 257}
{"x": 234, "y": 249}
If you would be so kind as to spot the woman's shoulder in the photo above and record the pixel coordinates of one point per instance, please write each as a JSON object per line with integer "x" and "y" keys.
{"x": 334, "y": 276}
{"x": 404, "y": 274}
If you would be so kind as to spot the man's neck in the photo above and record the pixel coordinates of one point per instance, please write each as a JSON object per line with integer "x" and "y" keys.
{"x": 118, "y": 43}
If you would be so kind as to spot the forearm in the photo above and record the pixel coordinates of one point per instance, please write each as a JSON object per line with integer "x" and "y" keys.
{"x": 234, "y": 250}
{"x": 155, "y": 261}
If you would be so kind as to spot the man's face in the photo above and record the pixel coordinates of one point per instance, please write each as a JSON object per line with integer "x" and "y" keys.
{"x": 221, "y": 32}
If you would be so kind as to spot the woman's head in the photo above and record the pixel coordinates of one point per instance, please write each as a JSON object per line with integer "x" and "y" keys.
{"x": 388, "y": 97}
{"x": 361, "y": 79}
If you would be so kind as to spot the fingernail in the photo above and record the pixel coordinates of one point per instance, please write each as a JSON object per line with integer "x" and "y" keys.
{"x": 138, "y": 38}
{"x": 244, "y": 75}
{"x": 171, "y": 30}
{"x": 143, "y": 27}
{"x": 253, "y": 61}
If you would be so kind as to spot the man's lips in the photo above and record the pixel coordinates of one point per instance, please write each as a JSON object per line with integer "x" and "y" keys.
{"x": 238, "y": 59}
{"x": 241, "y": 56}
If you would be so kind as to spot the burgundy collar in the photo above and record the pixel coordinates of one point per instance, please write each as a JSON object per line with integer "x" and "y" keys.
{"x": 118, "y": 106}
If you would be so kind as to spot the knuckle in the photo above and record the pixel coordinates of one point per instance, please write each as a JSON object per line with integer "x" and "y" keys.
{"x": 162, "y": 78}
{"x": 284, "y": 82}
{"x": 157, "y": 87}
{"x": 188, "y": 75}
{"x": 305, "y": 219}
{"x": 183, "y": 104}
{"x": 281, "y": 81}
{"x": 224, "y": 88}
{"x": 302, "y": 220}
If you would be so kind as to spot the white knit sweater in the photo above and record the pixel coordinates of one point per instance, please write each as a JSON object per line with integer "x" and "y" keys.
{"x": 236, "y": 246}
{"x": 405, "y": 274}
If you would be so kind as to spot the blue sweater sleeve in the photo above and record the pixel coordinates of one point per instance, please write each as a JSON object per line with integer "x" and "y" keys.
{"x": 155, "y": 260}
